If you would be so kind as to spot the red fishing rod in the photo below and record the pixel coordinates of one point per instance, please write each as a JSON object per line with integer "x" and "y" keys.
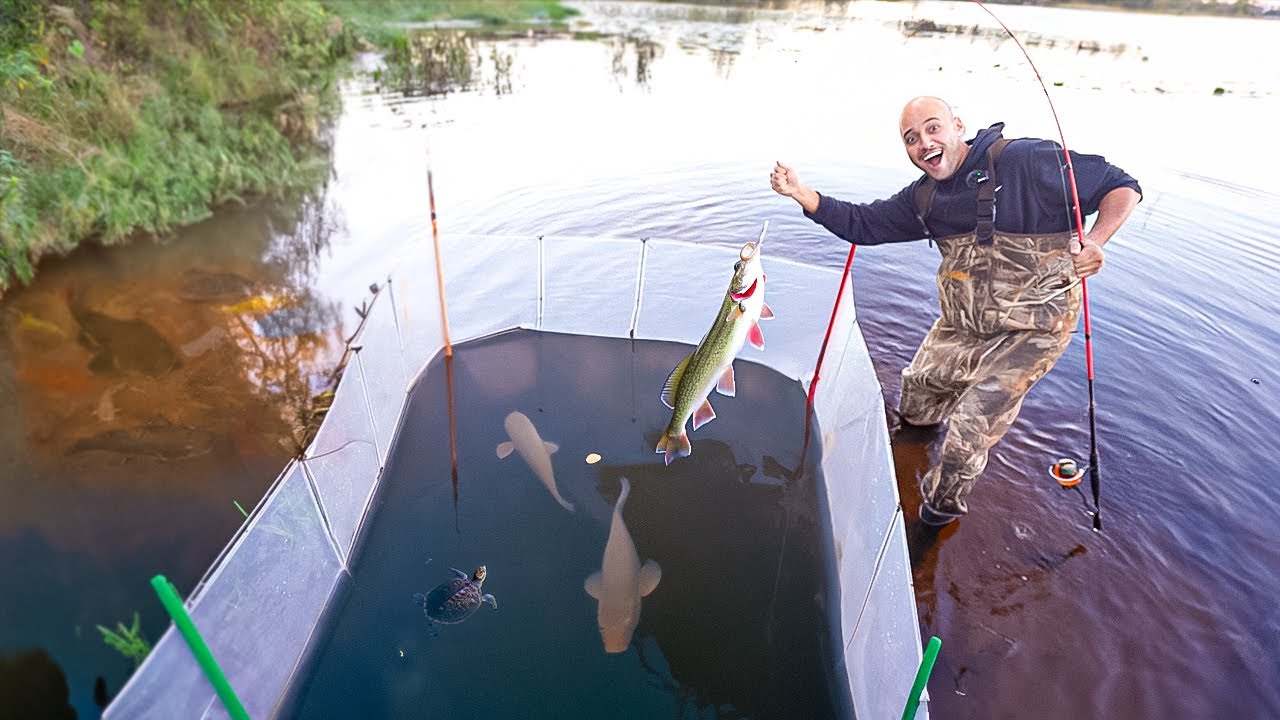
{"x": 1066, "y": 471}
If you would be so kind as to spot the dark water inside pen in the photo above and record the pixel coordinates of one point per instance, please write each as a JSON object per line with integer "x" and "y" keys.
{"x": 121, "y": 463}
{"x": 740, "y": 625}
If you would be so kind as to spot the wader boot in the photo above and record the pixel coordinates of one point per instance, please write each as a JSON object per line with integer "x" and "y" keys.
{"x": 1009, "y": 306}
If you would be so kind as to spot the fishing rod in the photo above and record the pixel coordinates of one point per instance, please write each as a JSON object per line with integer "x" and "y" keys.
{"x": 1066, "y": 470}
{"x": 448, "y": 344}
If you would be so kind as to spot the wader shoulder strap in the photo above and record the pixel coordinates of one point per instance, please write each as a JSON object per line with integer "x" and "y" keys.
{"x": 986, "y": 195}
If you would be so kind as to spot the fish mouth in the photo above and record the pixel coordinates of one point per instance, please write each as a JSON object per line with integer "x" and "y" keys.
{"x": 740, "y": 296}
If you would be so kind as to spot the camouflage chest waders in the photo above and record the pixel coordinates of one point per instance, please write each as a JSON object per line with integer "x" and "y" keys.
{"x": 1009, "y": 306}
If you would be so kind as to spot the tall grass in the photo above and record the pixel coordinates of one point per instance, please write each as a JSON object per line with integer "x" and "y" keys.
{"x": 141, "y": 115}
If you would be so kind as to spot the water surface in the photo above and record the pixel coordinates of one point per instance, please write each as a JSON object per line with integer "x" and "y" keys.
{"x": 667, "y": 126}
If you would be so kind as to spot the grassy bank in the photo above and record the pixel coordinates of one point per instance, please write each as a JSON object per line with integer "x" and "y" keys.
{"x": 143, "y": 114}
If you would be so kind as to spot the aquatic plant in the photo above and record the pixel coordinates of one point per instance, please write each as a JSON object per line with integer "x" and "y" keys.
{"x": 128, "y": 641}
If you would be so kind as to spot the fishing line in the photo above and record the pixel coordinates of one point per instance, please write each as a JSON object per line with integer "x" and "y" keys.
{"x": 1094, "y": 473}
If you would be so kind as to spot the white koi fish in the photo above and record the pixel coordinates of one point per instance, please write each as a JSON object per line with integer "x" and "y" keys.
{"x": 710, "y": 366}
{"x": 535, "y": 451}
{"x": 620, "y": 582}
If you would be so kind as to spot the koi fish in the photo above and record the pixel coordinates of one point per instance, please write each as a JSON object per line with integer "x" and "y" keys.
{"x": 620, "y": 582}
{"x": 535, "y": 451}
{"x": 710, "y": 366}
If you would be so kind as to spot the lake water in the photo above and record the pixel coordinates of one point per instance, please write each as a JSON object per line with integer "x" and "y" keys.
{"x": 667, "y": 126}
{"x": 741, "y": 624}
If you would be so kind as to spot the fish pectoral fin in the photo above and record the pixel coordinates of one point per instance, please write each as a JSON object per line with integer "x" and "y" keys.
{"x": 726, "y": 385}
{"x": 673, "y": 382}
{"x": 550, "y": 446}
{"x": 703, "y": 415}
{"x": 505, "y": 448}
{"x": 594, "y": 585}
{"x": 755, "y": 337}
{"x": 766, "y": 312}
{"x": 650, "y": 575}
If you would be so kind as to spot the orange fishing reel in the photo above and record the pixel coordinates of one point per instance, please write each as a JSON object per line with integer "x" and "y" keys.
{"x": 1067, "y": 472}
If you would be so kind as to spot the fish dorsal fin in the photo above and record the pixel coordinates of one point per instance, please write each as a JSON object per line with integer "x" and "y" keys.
{"x": 650, "y": 575}
{"x": 673, "y": 382}
{"x": 726, "y": 384}
{"x": 505, "y": 448}
{"x": 594, "y": 584}
{"x": 550, "y": 446}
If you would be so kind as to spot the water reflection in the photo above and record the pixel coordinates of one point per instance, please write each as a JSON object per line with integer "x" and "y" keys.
{"x": 144, "y": 389}
{"x": 633, "y": 58}
{"x": 996, "y": 36}
{"x": 742, "y": 591}
{"x": 439, "y": 61}
{"x": 32, "y": 685}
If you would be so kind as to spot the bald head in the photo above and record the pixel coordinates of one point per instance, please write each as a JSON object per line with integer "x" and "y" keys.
{"x": 933, "y": 136}
{"x": 925, "y": 106}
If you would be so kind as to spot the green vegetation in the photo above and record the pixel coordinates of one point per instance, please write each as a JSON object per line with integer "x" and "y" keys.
{"x": 128, "y": 641}
{"x": 123, "y": 116}
{"x": 429, "y": 46}
{"x": 143, "y": 114}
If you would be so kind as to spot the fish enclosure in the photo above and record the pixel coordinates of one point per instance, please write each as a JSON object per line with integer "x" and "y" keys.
{"x": 784, "y": 587}
{"x": 738, "y": 621}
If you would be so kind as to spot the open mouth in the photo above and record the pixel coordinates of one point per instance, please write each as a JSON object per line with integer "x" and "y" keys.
{"x": 739, "y": 296}
{"x": 933, "y": 158}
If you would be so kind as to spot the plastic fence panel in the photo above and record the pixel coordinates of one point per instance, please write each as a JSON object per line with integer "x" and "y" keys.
{"x": 417, "y": 306}
{"x": 589, "y": 286}
{"x": 262, "y": 606}
{"x": 491, "y": 284}
{"x": 884, "y": 653}
{"x": 675, "y": 303}
{"x": 255, "y": 612}
{"x": 343, "y": 460}
{"x": 383, "y": 368}
{"x": 801, "y": 298}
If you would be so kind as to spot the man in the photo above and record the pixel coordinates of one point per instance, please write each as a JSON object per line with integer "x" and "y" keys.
{"x": 1009, "y": 282}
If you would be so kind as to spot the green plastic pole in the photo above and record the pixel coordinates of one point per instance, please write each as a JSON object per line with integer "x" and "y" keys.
{"x": 922, "y": 677}
{"x": 204, "y": 657}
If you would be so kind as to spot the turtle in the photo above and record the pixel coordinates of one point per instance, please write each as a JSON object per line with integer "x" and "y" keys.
{"x": 453, "y": 601}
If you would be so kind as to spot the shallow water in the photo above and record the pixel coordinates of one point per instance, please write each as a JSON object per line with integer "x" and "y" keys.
{"x": 669, "y": 129}
{"x": 740, "y": 625}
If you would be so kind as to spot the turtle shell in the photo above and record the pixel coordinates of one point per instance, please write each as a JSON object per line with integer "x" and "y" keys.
{"x": 455, "y": 600}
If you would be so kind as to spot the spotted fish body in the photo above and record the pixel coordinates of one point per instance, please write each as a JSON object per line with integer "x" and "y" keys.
{"x": 453, "y": 601}
{"x": 710, "y": 366}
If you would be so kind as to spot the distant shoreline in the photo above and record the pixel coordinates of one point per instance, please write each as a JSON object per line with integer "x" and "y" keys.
{"x": 1204, "y": 9}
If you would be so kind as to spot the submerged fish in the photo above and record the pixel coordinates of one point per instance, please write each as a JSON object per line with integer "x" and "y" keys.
{"x": 535, "y": 451}
{"x": 710, "y": 366}
{"x": 620, "y": 582}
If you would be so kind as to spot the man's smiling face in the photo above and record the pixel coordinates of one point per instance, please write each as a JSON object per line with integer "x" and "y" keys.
{"x": 933, "y": 137}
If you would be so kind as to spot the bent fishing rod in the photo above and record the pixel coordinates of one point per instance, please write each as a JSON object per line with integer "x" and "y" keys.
{"x": 1066, "y": 470}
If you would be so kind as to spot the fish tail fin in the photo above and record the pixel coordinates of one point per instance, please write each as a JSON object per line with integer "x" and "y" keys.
{"x": 677, "y": 447}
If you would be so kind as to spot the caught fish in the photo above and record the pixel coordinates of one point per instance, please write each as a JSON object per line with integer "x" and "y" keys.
{"x": 620, "y": 582}
{"x": 710, "y": 366}
{"x": 535, "y": 451}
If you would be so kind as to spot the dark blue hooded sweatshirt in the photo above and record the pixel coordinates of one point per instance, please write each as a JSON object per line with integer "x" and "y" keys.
{"x": 1033, "y": 196}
